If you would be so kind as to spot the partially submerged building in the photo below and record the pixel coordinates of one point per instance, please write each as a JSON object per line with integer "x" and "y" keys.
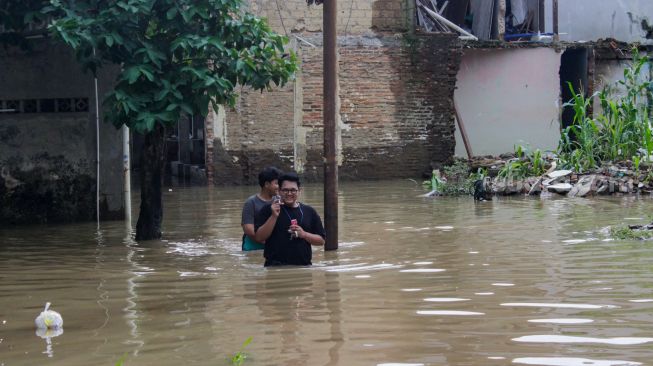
{"x": 48, "y": 139}
{"x": 404, "y": 75}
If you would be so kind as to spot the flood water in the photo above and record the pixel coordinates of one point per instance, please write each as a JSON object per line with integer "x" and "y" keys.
{"x": 416, "y": 281}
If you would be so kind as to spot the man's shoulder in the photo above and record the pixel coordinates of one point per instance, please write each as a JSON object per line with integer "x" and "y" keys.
{"x": 308, "y": 208}
{"x": 253, "y": 199}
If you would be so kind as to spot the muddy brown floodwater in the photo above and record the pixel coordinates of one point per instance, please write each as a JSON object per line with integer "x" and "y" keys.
{"x": 521, "y": 281}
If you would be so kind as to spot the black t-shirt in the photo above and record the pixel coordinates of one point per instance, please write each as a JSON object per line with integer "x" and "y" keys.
{"x": 280, "y": 249}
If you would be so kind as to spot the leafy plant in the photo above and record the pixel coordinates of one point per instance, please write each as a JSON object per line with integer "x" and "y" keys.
{"x": 620, "y": 131}
{"x": 636, "y": 163}
{"x": 454, "y": 181}
{"x": 480, "y": 174}
{"x": 239, "y": 357}
{"x": 436, "y": 183}
{"x": 626, "y": 233}
{"x": 121, "y": 360}
{"x": 527, "y": 163}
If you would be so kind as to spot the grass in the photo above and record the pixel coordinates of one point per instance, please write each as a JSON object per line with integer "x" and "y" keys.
{"x": 626, "y": 233}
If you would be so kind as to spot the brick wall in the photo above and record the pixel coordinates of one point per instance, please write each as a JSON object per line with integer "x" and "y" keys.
{"x": 396, "y": 112}
{"x": 354, "y": 16}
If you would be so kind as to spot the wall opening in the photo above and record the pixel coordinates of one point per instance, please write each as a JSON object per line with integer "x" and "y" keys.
{"x": 573, "y": 69}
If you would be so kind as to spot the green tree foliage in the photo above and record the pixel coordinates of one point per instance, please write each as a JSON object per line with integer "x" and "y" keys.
{"x": 177, "y": 56}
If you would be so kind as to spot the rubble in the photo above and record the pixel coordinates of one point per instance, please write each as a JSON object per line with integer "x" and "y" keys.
{"x": 616, "y": 178}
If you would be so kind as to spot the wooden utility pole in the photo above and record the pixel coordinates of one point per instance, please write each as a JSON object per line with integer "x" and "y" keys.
{"x": 330, "y": 75}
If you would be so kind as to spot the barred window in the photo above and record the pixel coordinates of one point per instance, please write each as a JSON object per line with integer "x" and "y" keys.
{"x": 48, "y": 105}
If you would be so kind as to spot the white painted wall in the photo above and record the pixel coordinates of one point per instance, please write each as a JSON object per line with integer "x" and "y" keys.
{"x": 507, "y": 97}
{"x": 590, "y": 20}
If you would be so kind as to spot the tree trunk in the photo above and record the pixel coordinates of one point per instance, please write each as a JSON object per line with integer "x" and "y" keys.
{"x": 152, "y": 163}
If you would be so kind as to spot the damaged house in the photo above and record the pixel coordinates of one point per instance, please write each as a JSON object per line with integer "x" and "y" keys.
{"x": 513, "y": 80}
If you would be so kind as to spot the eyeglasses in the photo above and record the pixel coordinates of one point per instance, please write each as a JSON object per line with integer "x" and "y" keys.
{"x": 289, "y": 191}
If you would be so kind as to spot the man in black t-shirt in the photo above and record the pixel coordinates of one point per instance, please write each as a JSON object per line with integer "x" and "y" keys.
{"x": 289, "y": 228}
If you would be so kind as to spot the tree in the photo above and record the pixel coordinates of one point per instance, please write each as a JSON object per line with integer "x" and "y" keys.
{"x": 15, "y": 17}
{"x": 176, "y": 56}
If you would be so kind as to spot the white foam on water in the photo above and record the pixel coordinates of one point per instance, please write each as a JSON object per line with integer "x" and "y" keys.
{"x": 574, "y": 241}
{"x": 501, "y": 284}
{"x": 444, "y": 227}
{"x": 472, "y": 252}
{"x": 422, "y": 263}
{"x": 389, "y": 222}
{"x": 484, "y": 293}
{"x": 353, "y": 268}
{"x": 352, "y": 243}
{"x": 423, "y": 270}
{"x": 399, "y": 364}
{"x": 552, "y": 338}
{"x": 562, "y": 321}
{"x": 411, "y": 289}
{"x": 547, "y": 241}
{"x": 559, "y": 306}
{"x": 390, "y": 229}
{"x": 485, "y": 264}
{"x": 448, "y": 312}
{"x": 496, "y": 358}
{"x": 363, "y": 276}
{"x": 189, "y": 274}
{"x": 571, "y": 361}
{"x": 633, "y": 218}
{"x": 445, "y": 299}
{"x": 641, "y": 300}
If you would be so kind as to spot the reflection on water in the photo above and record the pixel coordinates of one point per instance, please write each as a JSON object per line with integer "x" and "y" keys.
{"x": 416, "y": 281}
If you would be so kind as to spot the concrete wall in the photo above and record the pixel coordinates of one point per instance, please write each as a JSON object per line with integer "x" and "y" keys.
{"x": 396, "y": 113}
{"x": 590, "y": 20}
{"x": 609, "y": 72}
{"x": 47, "y": 160}
{"x": 507, "y": 97}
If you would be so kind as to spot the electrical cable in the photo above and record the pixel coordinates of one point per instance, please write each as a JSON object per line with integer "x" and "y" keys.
{"x": 281, "y": 18}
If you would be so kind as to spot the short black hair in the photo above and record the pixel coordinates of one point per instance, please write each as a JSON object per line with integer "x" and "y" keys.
{"x": 291, "y": 177}
{"x": 268, "y": 174}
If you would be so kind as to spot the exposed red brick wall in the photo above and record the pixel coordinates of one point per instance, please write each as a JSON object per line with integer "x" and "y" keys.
{"x": 354, "y": 16}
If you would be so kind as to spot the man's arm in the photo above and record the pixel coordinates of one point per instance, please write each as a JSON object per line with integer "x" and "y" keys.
{"x": 312, "y": 239}
{"x": 316, "y": 236}
{"x": 248, "y": 229}
{"x": 247, "y": 218}
{"x": 264, "y": 231}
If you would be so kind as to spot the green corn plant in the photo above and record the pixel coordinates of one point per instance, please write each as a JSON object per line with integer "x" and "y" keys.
{"x": 636, "y": 162}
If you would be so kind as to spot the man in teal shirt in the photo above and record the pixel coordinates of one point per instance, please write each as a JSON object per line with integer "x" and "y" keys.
{"x": 268, "y": 180}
